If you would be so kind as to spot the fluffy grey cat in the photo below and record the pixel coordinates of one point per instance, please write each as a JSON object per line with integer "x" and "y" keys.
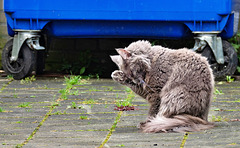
{"x": 178, "y": 84}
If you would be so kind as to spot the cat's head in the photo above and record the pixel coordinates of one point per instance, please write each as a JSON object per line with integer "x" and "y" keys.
{"x": 139, "y": 47}
{"x": 134, "y": 66}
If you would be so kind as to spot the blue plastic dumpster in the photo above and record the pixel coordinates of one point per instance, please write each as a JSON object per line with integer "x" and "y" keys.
{"x": 208, "y": 21}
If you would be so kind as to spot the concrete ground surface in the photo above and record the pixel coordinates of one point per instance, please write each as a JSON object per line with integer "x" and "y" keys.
{"x": 53, "y": 112}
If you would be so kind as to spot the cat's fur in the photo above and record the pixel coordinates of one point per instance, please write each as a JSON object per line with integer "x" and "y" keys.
{"x": 178, "y": 84}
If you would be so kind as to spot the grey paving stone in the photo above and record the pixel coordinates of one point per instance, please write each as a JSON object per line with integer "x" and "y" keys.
{"x": 65, "y": 128}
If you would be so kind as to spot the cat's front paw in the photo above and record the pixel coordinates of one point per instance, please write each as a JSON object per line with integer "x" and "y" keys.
{"x": 119, "y": 76}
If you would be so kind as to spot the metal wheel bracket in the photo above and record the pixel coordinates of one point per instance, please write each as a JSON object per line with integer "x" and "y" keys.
{"x": 214, "y": 42}
{"x": 32, "y": 40}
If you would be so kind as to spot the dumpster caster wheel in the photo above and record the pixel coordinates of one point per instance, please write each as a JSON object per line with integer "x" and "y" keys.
{"x": 23, "y": 66}
{"x": 230, "y": 60}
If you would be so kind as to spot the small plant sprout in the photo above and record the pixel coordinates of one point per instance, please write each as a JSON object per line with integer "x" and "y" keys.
{"x": 45, "y": 86}
{"x": 74, "y": 106}
{"x": 97, "y": 76}
{"x": 126, "y": 104}
{"x": 218, "y": 92}
{"x": 70, "y": 82}
{"x": 55, "y": 104}
{"x": 128, "y": 90}
{"x": 82, "y": 70}
{"x": 219, "y": 119}
{"x": 229, "y": 79}
{"x": 25, "y": 105}
{"x": 83, "y": 117}
{"x": 218, "y": 109}
{"x": 64, "y": 93}
{"x": 15, "y": 96}
{"x": 106, "y": 106}
{"x": 91, "y": 101}
{"x": 123, "y": 103}
{"x": 109, "y": 88}
{"x": 74, "y": 80}
{"x": 28, "y": 80}
{"x": 10, "y": 77}
{"x": 1, "y": 110}
{"x": 76, "y": 92}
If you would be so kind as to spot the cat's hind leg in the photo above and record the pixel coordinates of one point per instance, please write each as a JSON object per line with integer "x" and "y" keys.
{"x": 178, "y": 112}
{"x": 178, "y": 101}
{"x": 187, "y": 91}
{"x": 154, "y": 101}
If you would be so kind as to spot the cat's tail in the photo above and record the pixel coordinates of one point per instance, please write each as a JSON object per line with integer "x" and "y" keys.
{"x": 178, "y": 123}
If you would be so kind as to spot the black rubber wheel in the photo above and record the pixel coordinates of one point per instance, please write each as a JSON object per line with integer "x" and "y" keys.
{"x": 24, "y": 64}
{"x": 230, "y": 60}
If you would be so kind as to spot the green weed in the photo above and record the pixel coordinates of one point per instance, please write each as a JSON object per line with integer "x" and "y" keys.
{"x": 55, "y": 104}
{"x": 74, "y": 106}
{"x": 1, "y": 110}
{"x": 10, "y": 77}
{"x": 128, "y": 100}
{"x": 28, "y": 80}
{"x": 218, "y": 92}
{"x": 108, "y": 88}
{"x": 229, "y": 79}
{"x": 106, "y": 106}
{"x": 76, "y": 92}
{"x": 45, "y": 86}
{"x": 93, "y": 89}
{"x": 91, "y": 101}
{"x": 70, "y": 82}
{"x": 74, "y": 80}
{"x": 59, "y": 113}
{"x": 64, "y": 93}
{"x": 25, "y": 105}
{"x": 83, "y": 117}
{"x": 219, "y": 119}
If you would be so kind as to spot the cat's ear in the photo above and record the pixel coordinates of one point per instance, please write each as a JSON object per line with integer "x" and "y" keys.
{"x": 116, "y": 59}
{"x": 123, "y": 53}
